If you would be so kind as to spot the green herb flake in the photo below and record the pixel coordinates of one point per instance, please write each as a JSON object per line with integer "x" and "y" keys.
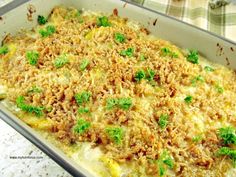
{"x": 103, "y": 21}
{"x": 83, "y": 110}
{"x": 193, "y": 57}
{"x": 20, "y": 102}
{"x": 34, "y": 89}
{"x": 4, "y": 50}
{"x": 150, "y": 74}
{"x": 42, "y": 20}
{"x": 82, "y": 97}
{"x": 120, "y": 37}
{"x": 219, "y": 89}
{"x": 32, "y": 57}
{"x": 142, "y": 57}
{"x": 165, "y": 161}
{"x": 116, "y": 134}
{"x": 231, "y": 153}
{"x": 84, "y": 64}
{"x": 196, "y": 79}
{"x": 61, "y": 61}
{"x": 49, "y": 109}
{"x": 188, "y": 99}
{"x": 174, "y": 55}
{"x": 124, "y": 103}
{"x": 81, "y": 126}
{"x": 197, "y": 138}
{"x": 227, "y": 134}
{"x": 79, "y": 12}
{"x": 139, "y": 75}
{"x": 111, "y": 103}
{"x": 165, "y": 51}
{"x": 50, "y": 29}
{"x": 129, "y": 52}
{"x": 209, "y": 69}
{"x": 163, "y": 121}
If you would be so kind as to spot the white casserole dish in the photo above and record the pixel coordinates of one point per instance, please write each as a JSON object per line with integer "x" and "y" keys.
{"x": 16, "y": 16}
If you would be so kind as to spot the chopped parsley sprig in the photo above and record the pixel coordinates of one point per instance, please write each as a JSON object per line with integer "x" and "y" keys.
{"x": 103, "y": 21}
{"x": 188, "y": 99}
{"x": 48, "y": 31}
{"x": 226, "y": 151}
{"x": 20, "y": 102}
{"x": 4, "y": 50}
{"x": 228, "y": 135}
{"x": 163, "y": 121}
{"x": 42, "y": 20}
{"x": 193, "y": 57}
{"x": 148, "y": 75}
{"x": 209, "y": 69}
{"x": 32, "y": 57}
{"x": 116, "y": 134}
{"x": 81, "y": 126}
{"x": 165, "y": 51}
{"x": 122, "y": 103}
{"x": 82, "y": 97}
{"x": 120, "y": 38}
{"x": 84, "y": 64}
{"x": 197, "y": 79}
{"x": 60, "y": 61}
{"x": 128, "y": 52}
{"x": 164, "y": 161}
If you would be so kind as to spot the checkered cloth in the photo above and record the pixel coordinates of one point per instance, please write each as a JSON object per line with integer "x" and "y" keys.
{"x": 221, "y": 20}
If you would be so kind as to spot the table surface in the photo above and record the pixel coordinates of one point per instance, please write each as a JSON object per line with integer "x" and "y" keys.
{"x": 19, "y": 157}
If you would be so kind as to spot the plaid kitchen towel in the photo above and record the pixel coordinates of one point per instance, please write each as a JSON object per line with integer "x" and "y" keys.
{"x": 221, "y": 20}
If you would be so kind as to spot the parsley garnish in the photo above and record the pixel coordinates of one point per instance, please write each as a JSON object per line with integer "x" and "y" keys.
{"x": 83, "y": 110}
{"x": 84, "y": 64}
{"x": 174, "y": 55}
{"x": 193, "y": 57}
{"x": 42, "y": 20}
{"x": 111, "y": 102}
{"x": 129, "y": 52}
{"x": 4, "y": 50}
{"x": 32, "y": 57}
{"x": 81, "y": 126}
{"x": 188, "y": 99}
{"x": 196, "y": 79}
{"x": 34, "y": 89}
{"x": 142, "y": 57}
{"x": 197, "y": 138}
{"x": 219, "y": 89}
{"x": 20, "y": 102}
{"x": 150, "y": 74}
{"x": 165, "y": 51}
{"x": 50, "y": 29}
{"x": 139, "y": 75}
{"x": 122, "y": 103}
{"x": 79, "y": 12}
{"x": 82, "y": 97}
{"x": 116, "y": 134}
{"x": 165, "y": 161}
{"x": 61, "y": 61}
{"x": 103, "y": 21}
{"x": 231, "y": 153}
{"x": 119, "y": 37}
{"x": 209, "y": 69}
{"x": 227, "y": 134}
{"x": 163, "y": 121}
